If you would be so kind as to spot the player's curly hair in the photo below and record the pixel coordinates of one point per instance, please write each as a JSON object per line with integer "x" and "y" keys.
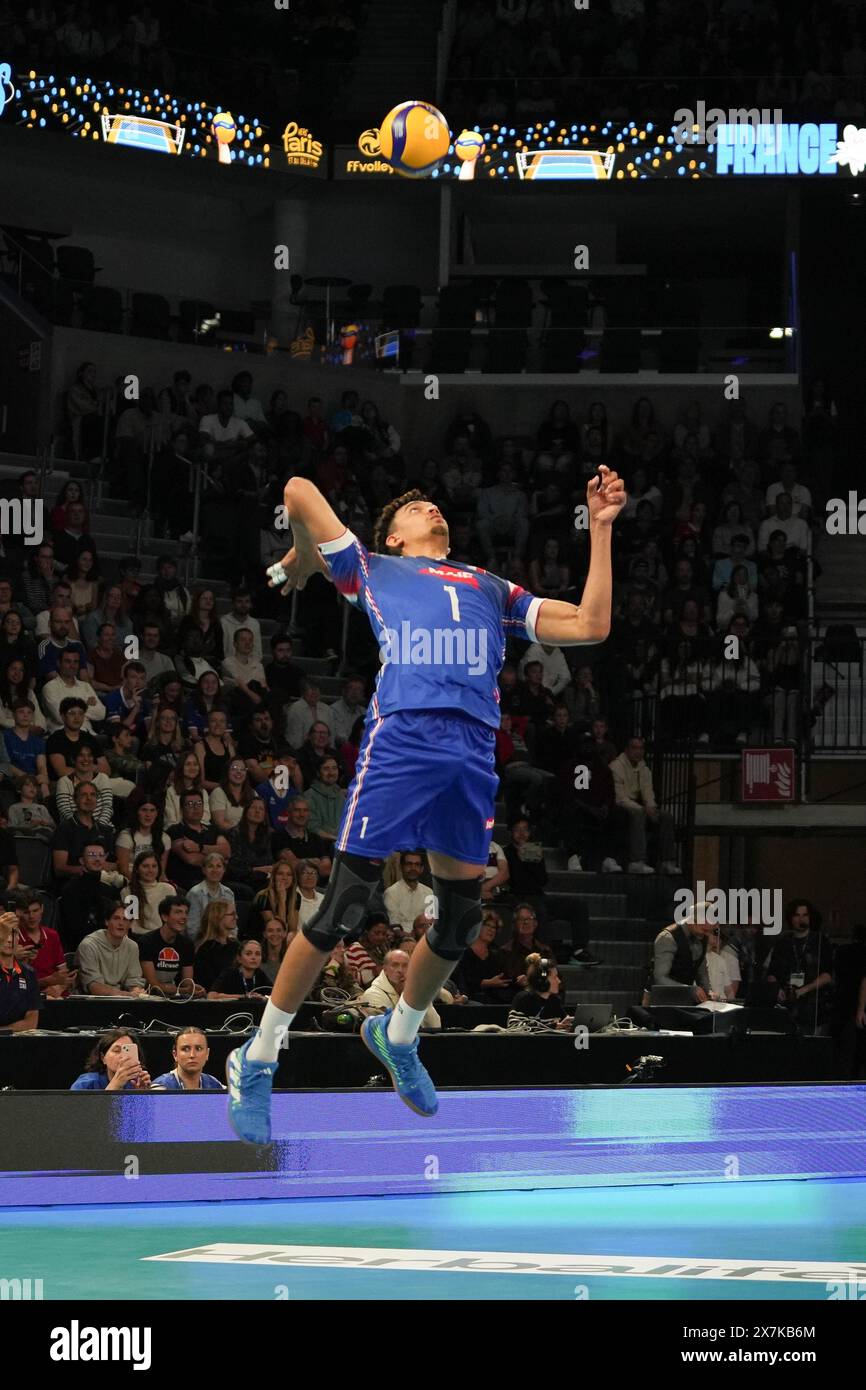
{"x": 385, "y": 520}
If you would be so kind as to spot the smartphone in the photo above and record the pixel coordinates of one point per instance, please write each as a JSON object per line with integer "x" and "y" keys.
{"x": 130, "y": 1051}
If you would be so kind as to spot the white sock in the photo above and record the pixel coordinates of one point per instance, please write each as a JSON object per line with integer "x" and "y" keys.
{"x": 266, "y": 1044}
{"x": 404, "y": 1022}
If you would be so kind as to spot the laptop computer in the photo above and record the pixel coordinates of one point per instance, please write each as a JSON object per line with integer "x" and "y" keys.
{"x": 593, "y": 1017}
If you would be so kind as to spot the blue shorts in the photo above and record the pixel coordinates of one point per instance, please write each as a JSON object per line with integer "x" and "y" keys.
{"x": 422, "y": 781}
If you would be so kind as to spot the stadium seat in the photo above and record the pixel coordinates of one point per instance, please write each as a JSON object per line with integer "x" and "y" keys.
{"x": 76, "y": 263}
{"x": 34, "y": 861}
{"x": 103, "y": 309}
{"x": 151, "y": 316}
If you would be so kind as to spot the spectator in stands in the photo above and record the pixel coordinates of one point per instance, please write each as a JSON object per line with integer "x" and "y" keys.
{"x": 555, "y": 672}
{"x": 217, "y": 946}
{"x": 39, "y": 946}
{"x": 190, "y": 1052}
{"x": 215, "y": 750}
{"x": 537, "y": 701}
{"x": 108, "y": 961}
{"x": 351, "y": 705}
{"x": 207, "y": 694}
{"x": 736, "y": 682}
{"x": 209, "y": 889}
{"x": 191, "y": 842}
{"x": 279, "y": 899}
{"x": 635, "y": 794}
{"x": 298, "y": 842}
{"x": 244, "y": 675}
{"x": 285, "y": 783}
{"x": 15, "y": 643}
{"x": 558, "y": 743}
{"x": 84, "y": 580}
{"x": 245, "y": 406}
{"x": 540, "y": 998}
{"x": 366, "y": 956}
{"x": 20, "y": 998}
{"x": 84, "y": 771}
{"x": 62, "y": 746}
{"x": 185, "y": 777}
{"x": 84, "y": 407}
{"x": 223, "y": 436}
{"x": 502, "y": 515}
{"x": 190, "y": 663}
{"x": 16, "y": 685}
{"x": 779, "y": 441}
{"x": 385, "y": 989}
{"x": 167, "y": 954}
{"x": 284, "y": 676}
{"x": 230, "y": 798}
{"x": 116, "y": 1063}
{"x": 144, "y": 832}
{"x": 124, "y": 766}
{"x": 314, "y": 750}
{"x": 25, "y": 752}
{"x": 679, "y": 956}
{"x": 240, "y": 616}
{"x": 111, "y": 610}
{"x": 28, "y": 817}
{"x": 176, "y": 598}
{"x": 723, "y": 968}
{"x": 127, "y": 704}
{"x": 801, "y": 965}
{"x": 304, "y": 712}
{"x": 326, "y": 799}
{"x": 258, "y": 746}
{"x": 147, "y": 889}
{"x": 549, "y": 574}
{"x": 161, "y": 753}
{"x": 66, "y": 686}
{"x": 106, "y": 660}
{"x": 250, "y": 847}
{"x": 782, "y": 674}
{"x": 80, "y": 830}
{"x": 682, "y": 591}
{"x": 274, "y": 945}
{"x": 59, "y": 643}
{"x": 39, "y": 578}
{"x": 481, "y": 974}
{"x": 155, "y": 662}
{"x": 202, "y": 618}
{"x": 733, "y": 524}
{"x": 73, "y": 539}
{"x": 523, "y": 941}
{"x": 794, "y": 528}
{"x": 738, "y": 596}
{"x": 309, "y": 898}
{"x": 409, "y": 895}
{"x": 685, "y": 687}
{"x": 245, "y": 979}
{"x": 724, "y": 567}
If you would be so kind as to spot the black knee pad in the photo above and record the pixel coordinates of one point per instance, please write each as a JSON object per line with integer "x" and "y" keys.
{"x": 347, "y": 897}
{"x": 458, "y": 920}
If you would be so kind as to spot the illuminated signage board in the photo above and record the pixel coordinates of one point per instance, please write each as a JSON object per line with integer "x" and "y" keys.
{"x": 302, "y": 151}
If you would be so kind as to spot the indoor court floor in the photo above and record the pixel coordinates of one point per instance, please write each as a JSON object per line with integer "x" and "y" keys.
{"x": 785, "y": 1240}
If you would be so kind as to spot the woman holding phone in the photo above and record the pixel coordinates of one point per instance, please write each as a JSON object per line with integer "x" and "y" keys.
{"x": 115, "y": 1064}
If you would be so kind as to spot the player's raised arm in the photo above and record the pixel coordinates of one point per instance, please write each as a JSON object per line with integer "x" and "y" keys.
{"x": 567, "y": 624}
{"x": 313, "y": 521}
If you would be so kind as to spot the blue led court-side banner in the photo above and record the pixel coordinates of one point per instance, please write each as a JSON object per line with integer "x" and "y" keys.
{"x": 72, "y": 1148}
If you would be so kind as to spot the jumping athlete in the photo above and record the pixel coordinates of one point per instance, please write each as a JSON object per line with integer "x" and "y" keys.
{"x": 425, "y": 773}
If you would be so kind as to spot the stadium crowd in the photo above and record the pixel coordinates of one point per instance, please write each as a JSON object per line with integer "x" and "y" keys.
{"x": 187, "y": 775}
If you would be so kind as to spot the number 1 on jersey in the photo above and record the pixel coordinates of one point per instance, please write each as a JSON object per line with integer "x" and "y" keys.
{"x": 364, "y": 820}
{"x": 455, "y": 602}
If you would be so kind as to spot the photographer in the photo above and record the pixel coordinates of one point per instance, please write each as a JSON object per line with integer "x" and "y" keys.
{"x": 541, "y": 998}
{"x": 115, "y": 1064}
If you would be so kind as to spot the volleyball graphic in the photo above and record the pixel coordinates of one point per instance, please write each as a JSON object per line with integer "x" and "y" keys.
{"x": 469, "y": 144}
{"x": 414, "y": 138}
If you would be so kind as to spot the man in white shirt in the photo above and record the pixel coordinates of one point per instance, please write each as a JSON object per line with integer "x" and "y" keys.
{"x": 302, "y": 714}
{"x": 556, "y": 673}
{"x": 633, "y": 785}
{"x": 223, "y": 433}
{"x": 406, "y": 898}
{"x": 387, "y": 987}
{"x": 796, "y": 531}
{"x": 350, "y": 707}
{"x": 801, "y": 497}
{"x": 65, "y": 684}
{"x": 242, "y": 607}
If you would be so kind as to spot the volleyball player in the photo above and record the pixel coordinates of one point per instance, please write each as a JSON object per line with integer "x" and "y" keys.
{"x": 425, "y": 773}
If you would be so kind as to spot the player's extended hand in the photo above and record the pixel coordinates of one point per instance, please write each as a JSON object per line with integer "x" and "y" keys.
{"x": 296, "y": 566}
{"x": 605, "y": 499}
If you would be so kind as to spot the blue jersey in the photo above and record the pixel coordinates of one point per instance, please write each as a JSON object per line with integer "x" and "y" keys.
{"x": 441, "y": 627}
